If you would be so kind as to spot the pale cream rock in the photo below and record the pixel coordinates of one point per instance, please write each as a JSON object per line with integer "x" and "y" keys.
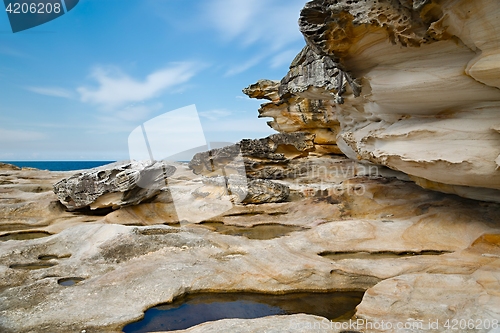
{"x": 127, "y": 269}
{"x": 441, "y": 302}
{"x": 429, "y": 79}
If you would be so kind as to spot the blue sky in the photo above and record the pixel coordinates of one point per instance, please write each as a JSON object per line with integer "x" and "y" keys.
{"x": 76, "y": 87}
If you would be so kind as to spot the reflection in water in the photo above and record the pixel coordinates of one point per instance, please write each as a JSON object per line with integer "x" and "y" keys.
{"x": 32, "y": 266}
{"x": 69, "y": 282}
{"x": 261, "y": 231}
{"x": 25, "y": 235}
{"x": 199, "y": 308}
{"x": 378, "y": 255}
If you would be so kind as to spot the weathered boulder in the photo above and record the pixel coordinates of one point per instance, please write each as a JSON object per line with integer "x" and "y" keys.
{"x": 263, "y": 89}
{"x": 114, "y": 185}
{"x": 412, "y": 84}
{"x": 298, "y": 114}
{"x": 260, "y": 158}
{"x": 9, "y": 166}
{"x": 266, "y": 191}
{"x": 255, "y": 191}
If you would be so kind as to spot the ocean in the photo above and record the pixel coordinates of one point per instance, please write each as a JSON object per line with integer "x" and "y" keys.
{"x": 59, "y": 165}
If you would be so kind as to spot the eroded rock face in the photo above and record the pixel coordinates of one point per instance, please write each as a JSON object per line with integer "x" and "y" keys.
{"x": 266, "y": 191}
{"x": 298, "y": 114}
{"x": 412, "y": 84}
{"x": 417, "y": 253}
{"x": 470, "y": 297}
{"x": 241, "y": 190}
{"x": 115, "y": 185}
{"x": 260, "y": 158}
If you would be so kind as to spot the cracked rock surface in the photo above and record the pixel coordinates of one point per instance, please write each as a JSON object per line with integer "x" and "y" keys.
{"x": 411, "y": 85}
{"x": 343, "y": 227}
{"x": 115, "y": 185}
{"x": 258, "y": 158}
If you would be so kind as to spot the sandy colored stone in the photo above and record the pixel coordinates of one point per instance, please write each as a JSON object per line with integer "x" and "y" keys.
{"x": 265, "y": 158}
{"x": 341, "y": 207}
{"x": 114, "y": 185}
{"x": 411, "y": 85}
{"x": 273, "y": 324}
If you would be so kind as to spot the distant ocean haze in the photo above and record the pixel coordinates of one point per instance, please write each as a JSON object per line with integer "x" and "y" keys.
{"x": 59, "y": 165}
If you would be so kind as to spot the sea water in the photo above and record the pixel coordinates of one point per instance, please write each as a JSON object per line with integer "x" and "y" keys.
{"x": 59, "y": 165}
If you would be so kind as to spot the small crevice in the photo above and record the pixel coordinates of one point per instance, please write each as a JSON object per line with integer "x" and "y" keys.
{"x": 341, "y": 255}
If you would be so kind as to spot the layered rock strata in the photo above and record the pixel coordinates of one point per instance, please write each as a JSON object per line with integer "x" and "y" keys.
{"x": 418, "y": 254}
{"x": 298, "y": 114}
{"x": 114, "y": 186}
{"x": 255, "y": 191}
{"x": 412, "y": 85}
{"x": 173, "y": 188}
{"x": 267, "y": 158}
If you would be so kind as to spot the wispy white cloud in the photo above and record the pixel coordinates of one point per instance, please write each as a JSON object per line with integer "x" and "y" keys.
{"x": 243, "y": 97}
{"x": 232, "y": 18}
{"x": 51, "y": 91}
{"x": 115, "y": 88}
{"x": 15, "y": 136}
{"x": 237, "y": 69}
{"x": 136, "y": 112}
{"x": 215, "y": 114}
{"x": 271, "y": 21}
{"x": 269, "y": 26}
{"x": 283, "y": 58}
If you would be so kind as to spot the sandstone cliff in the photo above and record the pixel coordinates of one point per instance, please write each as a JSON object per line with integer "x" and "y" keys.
{"x": 411, "y": 85}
